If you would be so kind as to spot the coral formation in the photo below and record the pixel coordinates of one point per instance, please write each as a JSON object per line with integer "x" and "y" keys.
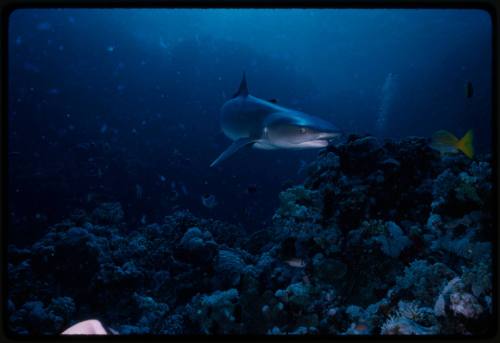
{"x": 386, "y": 238}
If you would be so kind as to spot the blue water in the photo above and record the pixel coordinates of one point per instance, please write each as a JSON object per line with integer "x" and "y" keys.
{"x": 124, "y": 104}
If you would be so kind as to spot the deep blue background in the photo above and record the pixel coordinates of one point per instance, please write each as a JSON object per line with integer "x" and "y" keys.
{"x": 101, "y": 101}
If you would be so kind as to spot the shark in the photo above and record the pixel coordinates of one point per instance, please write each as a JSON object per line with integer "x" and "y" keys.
{"x": 263, "y": 124}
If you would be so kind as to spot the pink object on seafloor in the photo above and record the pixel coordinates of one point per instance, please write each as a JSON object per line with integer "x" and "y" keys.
{"x": 87, "y": 327}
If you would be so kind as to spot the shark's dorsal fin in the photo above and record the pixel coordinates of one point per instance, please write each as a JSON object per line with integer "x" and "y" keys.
{"x": 237, "y": 145}
{"x": 243, "y": 90}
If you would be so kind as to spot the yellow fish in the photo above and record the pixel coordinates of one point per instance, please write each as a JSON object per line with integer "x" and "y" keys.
{"x": 447, "y": 143}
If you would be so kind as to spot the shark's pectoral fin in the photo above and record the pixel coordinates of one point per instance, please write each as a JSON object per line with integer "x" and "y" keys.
{"x": 237, "y": 145}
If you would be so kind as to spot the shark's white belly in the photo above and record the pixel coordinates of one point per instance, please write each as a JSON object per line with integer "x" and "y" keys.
{"x": 264, "y": 145}
{"x": 273, "y": 145}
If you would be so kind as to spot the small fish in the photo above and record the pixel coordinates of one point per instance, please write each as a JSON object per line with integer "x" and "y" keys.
{"x": 173, "y": 189}
{"x": 40, "y": 217}
{"x": 138, "y": 191}
{"x": 184, "y": 189}
{"x": 446, "y": 143}
{"x": 44, "y": 26}
{"x": 296, "y": 263}
{"x": 162, "y": 178}
{"x": 469, "y": 89}
{"x": 361, "y": 327}
{"x": 31, "y": 67}
{"x": 208, "y": 200}
{"x": 251, "y": 188}
{"x": 162, "y": 43}
{"x": 54, "y": 91}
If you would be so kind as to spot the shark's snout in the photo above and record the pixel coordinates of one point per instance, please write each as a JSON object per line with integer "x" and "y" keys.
{"x": 324, "y": 128}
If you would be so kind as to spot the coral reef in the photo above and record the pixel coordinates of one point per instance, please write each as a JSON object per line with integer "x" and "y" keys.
{"x": 382, "y": 238}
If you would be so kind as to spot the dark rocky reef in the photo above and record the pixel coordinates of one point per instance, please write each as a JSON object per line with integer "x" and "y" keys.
{"x": 382, "y": 238}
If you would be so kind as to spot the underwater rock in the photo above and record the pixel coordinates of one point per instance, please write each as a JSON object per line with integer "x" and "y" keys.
{"x": 370, "y": 257}
{"x": 328, "y": 270}
{"x": 424, "y": 281}
{"x": 360, "y": 156}
{"x": 132, "y": 330}
{"x": 228, "y": 234}
{"x": 479, "y": 278}
{"x": 11, "y": 308}
{"x": 394, "y": 241}
{"x": 63, "y": 307}
{"x": 365, "y": 321}
{"x": 216, "y": 313}
{"x": 298, "y": 205}
{"x": 173, "y": 325}
{"x": 323, "y": 171}
{"x": 455, "y": 298}
{"x": 17, "y": 255}
{"x": 461, "y": 191}
{"x": 39, "y": 320}
{"x": 153, "y": 313}
{"x": 275, "y": 331}
{"x": 112, "y": 282}
{"x": 390, "y": 166}
{"x": 299, "y": 294}
{"x": 109, "y": 213}
{"x": 465, "y": 304}
{"x": 229, "y": 267}
{"x": 75, "y": 251}
{"x": 358, "y": 329}
{"x": 197, "y": 247}
{"x": 433, "y": 223}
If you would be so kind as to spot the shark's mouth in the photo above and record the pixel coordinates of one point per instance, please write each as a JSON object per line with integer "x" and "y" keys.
{"x": 317, "y": 143}
{"x": 268, "y": 145}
